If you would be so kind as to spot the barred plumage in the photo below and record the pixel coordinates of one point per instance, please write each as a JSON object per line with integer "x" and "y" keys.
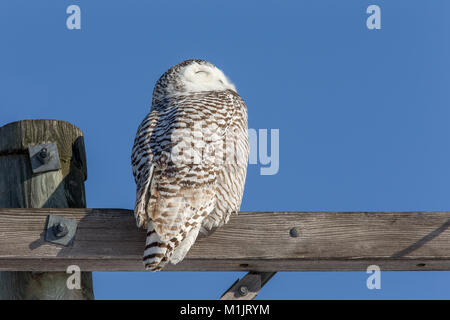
{"x": 189, "y": 160}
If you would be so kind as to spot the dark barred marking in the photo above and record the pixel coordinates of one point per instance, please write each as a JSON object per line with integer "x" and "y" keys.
{"x": 153, "y": 255}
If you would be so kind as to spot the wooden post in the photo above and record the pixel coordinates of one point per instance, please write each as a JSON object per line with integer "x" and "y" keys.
{"x": 63, "y": 188}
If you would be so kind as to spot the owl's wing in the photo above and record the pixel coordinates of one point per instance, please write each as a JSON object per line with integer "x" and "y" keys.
{"x": 142, "y": 165}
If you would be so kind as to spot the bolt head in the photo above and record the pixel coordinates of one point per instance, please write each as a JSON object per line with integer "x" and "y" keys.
{"x": 44, "y": 156}
{"x": 43, "y": 153}
{"x": 60, "y": 230}
{"x": 294, "y": 233}
{"x": 243, "y": 290}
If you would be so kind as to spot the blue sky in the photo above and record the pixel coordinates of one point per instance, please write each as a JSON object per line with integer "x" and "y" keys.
{"x": 363, "y": 114}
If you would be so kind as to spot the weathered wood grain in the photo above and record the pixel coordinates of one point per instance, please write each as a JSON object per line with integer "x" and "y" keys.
{"x": 20, "y": 188}
{"x": 108, "y": 239}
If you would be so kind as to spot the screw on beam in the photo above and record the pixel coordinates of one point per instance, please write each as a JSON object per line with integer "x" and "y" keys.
{"x": 294, "y": 233}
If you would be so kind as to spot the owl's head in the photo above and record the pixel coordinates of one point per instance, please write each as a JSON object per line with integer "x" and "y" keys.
{"x": 191, "y": 76}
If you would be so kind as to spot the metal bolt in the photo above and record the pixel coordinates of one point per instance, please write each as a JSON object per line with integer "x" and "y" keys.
{"x": 243, "y": 290}
{"x": 60, "y": 230}
{"x": 44, "y": 156}
{"x": 294, "y": 233}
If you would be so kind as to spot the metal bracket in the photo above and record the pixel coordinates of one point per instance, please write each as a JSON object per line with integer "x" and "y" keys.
{"x": 60, "y": 230}
{"x": 44, "y": 157}
{"x": 248, "y": 287}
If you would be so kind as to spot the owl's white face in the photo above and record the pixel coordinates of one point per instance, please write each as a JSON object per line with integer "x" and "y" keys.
{"x": 189, "y": 77}
{"x": 204, "y": 77}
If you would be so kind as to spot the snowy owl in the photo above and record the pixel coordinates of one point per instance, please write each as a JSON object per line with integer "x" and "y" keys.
{"x": 189, "y": 160}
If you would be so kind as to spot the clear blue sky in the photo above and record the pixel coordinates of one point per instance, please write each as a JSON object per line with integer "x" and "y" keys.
{"x": 363, "y": 114}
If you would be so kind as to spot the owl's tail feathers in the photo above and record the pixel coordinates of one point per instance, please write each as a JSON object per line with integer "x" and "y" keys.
{"x": 180, "y": 252}
{"x": 155, "y": 254}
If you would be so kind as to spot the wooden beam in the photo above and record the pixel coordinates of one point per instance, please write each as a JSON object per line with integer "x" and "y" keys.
{"x": 108, "y": 239}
